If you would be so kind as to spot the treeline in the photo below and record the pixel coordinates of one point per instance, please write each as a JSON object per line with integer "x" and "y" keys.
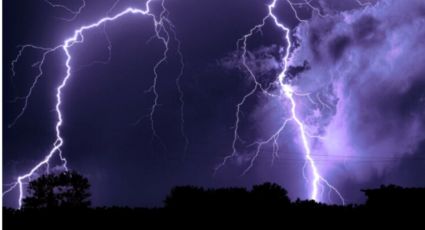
{"x": 194, "y": 206}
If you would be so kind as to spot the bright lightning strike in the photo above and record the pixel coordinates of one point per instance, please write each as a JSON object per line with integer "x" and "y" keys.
{"x": 287, "y": 92}
{"x": 163, "y": 27}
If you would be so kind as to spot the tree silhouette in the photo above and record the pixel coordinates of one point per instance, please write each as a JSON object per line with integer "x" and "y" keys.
{"x": 393, "y": 196}
{"x": 65, "y": 190}
{"x": 267, "y": 196}
{"x": 185, "y": 196}
{"x": 267, "y": 203}
{"x": 270, "y": 195}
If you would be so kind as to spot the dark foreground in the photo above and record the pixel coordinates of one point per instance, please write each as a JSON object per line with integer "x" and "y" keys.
{"x": 266, "y": 205}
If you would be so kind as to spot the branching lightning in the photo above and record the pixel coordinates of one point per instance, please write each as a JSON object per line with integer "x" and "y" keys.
{"x": 74, "y": 13}
{"x": 163, "y": 27}
{"x": 179, "y": 88}
{"x": 318, "y": 10}
{"x": 108, "y": 40}
{"x": 287, "y": 95}
{"x": 165, "y": 33}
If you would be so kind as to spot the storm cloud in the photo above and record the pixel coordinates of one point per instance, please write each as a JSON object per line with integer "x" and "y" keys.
{"x": 372, "y": 60}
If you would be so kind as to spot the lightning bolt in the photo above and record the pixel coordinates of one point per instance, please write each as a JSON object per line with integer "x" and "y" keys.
{"x": 180, "y": 90}
{"x": 108, "y": 40}
{"x": 318, "y": 10}
{"x": 287, "y": 93}
{"x": 299, "y": 4}
{"x": 39, "y": 66}
{"x": 74, "y": 13}
{"x": 364, "y": 3}
{"x": 162, "y": 25}
{"x": 315, "y": 9}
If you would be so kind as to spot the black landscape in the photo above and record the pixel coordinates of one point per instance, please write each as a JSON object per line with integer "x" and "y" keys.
{"x": 62, "y": 201}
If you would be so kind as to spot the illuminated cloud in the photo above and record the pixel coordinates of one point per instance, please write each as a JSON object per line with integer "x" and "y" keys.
{"x": 371, "y": 61}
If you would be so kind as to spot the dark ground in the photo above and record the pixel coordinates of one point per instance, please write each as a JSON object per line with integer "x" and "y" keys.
{"x": 266, "y": 204}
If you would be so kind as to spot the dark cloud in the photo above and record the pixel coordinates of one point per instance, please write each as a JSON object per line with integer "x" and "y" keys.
{"x": 374, "y": 67}
{"x": 338, "y": 46}
{"x": 366, "y": 30}
{"x": 293, "y": 71}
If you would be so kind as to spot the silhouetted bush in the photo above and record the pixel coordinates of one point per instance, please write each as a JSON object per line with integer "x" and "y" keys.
{"x": 393, "y": 196}
{"x": 269, "y": 195}
{"x": 64, "y": 190}
{"x": 187, "y": 197}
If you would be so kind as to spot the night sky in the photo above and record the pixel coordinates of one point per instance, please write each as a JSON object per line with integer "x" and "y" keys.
{"x": 359, "y": 71}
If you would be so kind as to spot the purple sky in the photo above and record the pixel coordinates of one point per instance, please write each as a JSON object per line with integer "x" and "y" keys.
{"x": 363, "y": 71}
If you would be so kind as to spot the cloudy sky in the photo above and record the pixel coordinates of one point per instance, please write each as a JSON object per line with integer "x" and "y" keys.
{"x": 356, "y": 69}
